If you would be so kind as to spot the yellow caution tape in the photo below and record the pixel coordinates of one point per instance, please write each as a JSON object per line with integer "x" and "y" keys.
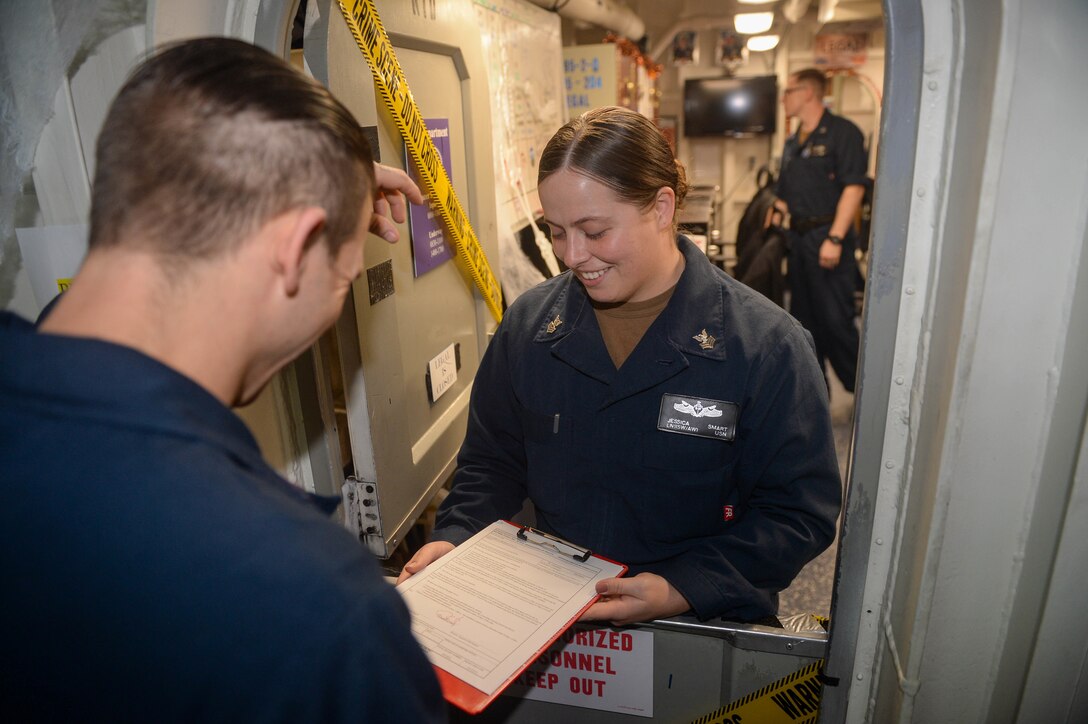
{"x": 366, "y": 27}
{"x": 794, "y": 699}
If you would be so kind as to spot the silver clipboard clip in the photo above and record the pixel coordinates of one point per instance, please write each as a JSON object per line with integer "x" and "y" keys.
{"x": 539, "y": 537}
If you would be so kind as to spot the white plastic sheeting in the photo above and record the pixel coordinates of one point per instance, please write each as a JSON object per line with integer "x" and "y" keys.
{"x": 41, "y": 44}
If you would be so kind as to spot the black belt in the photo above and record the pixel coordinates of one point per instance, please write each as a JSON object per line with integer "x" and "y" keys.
{"x": 806, "y": 224}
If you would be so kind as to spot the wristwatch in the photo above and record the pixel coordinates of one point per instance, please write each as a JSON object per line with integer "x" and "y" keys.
{"x": 836, "y": 240}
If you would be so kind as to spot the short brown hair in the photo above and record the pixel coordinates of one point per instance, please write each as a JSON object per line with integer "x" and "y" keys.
{"x": 815, "y": 78}
{"x": 620, "y": 148}
{"x": 211, "y": 138}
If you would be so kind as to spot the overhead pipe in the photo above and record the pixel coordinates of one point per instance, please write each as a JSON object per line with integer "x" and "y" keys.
{"x": 607, "y": 14}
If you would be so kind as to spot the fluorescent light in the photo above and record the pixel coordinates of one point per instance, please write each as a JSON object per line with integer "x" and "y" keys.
{"x": 753, "y": 23}
{"x": 825, "y": 13}
{"x": 756, "y": 43}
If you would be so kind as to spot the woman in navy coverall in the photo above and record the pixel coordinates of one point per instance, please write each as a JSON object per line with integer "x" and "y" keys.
{"x": 652, "y": 408}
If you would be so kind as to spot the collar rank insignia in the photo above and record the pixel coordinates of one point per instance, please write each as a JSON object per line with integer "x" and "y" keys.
{"x": 706, "y": 341}
{"x": 554, "y": 324}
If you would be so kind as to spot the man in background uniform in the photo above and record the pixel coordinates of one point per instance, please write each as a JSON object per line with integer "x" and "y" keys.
{"x": 821, "y": 185}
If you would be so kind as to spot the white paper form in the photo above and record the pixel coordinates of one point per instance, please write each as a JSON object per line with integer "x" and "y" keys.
{"x": 483, "y": 610}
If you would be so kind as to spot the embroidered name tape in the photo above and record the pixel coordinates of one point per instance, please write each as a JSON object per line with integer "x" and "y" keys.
{"x": 698, "y": 416}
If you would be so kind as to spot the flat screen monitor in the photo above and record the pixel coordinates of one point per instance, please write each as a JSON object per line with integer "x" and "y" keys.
{"x": 730, "y": 106}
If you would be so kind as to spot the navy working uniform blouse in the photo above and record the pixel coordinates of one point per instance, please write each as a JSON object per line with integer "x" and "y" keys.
{"x": 155, "y": 568}
{"x": 626, "y": 462}
{"x": 815, "y": 172}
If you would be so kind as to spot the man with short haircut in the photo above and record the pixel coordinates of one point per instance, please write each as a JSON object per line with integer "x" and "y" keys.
{"x": 155, "y": 568}
{"x": 821, "y": 184}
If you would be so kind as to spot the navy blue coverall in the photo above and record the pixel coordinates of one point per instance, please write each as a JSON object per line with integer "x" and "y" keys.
{"x": 155, "y": 568}
{"x": 727, "y": 522}
{"x": 811, "y": 181}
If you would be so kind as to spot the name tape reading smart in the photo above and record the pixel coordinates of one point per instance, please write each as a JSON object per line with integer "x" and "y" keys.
{"x": 698, "y": 416}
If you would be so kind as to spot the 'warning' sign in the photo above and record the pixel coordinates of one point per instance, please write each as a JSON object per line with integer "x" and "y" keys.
{"x": 795, "y": 698}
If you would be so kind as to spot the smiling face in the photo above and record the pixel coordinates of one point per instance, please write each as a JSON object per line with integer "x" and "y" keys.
{"x": 619, "y": 252}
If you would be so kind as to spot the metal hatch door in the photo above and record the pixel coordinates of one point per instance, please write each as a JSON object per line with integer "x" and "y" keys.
{"x": 403, "y": 444}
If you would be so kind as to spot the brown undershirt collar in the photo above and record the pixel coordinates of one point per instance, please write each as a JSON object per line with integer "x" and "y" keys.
{"x": 623, "y": 325}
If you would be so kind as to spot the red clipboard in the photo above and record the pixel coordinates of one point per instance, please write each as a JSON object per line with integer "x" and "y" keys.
{"x": 472, "y": 700}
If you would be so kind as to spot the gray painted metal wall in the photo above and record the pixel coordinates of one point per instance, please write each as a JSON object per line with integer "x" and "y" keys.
{"x": 961, "y": 603}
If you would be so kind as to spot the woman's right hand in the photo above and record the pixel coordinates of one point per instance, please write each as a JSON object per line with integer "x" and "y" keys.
{"x": 424, "y": 557}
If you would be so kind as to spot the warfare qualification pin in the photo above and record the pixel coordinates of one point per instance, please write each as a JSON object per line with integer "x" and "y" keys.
{"x": 706, "y": 341}
{"x": 554, "y": 324}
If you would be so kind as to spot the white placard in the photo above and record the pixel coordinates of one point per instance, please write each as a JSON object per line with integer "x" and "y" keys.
{"x": 443, "y": 369}
{"x": 594, "y": 668}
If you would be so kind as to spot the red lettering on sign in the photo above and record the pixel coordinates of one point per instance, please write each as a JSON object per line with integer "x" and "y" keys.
{"x": 539, "y": 679}
{"x": 584, "y": 662}
{"x": 589, "y": 687}
{"x": 615, "y": 640}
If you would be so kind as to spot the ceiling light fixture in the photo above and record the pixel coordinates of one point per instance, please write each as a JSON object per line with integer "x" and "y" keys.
{"x": 758, "y": 43}
{"x": 753, "y": 23}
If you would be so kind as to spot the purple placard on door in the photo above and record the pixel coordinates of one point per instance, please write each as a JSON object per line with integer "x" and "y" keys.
{"x": 429, "y": 245}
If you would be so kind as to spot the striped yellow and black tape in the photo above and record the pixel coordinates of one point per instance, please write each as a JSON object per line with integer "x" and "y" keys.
{"x": 366, "y": 27}
{"x": 794, "y": 699}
